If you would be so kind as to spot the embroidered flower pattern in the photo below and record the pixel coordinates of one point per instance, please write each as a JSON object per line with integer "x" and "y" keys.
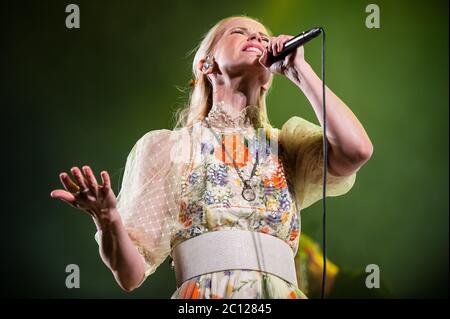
{"x": 217, "y": 174}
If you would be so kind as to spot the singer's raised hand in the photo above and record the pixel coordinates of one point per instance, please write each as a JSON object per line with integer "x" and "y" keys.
{"x": 286, "y": 65}
{"x": 117, "y": 250}
{"x": 86, "y": 194}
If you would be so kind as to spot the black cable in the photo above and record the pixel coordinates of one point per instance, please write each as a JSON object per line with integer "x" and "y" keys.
{"x": 325, "y": 168}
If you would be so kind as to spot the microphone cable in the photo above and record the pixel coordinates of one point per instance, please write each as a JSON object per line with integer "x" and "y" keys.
{"x": 325, "y": 168}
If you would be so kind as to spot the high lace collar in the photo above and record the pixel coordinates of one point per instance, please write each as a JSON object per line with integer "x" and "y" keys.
{"x": 248, "y": 117}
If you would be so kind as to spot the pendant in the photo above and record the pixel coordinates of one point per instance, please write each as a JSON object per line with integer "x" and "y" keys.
{"x": 248, "y": 193}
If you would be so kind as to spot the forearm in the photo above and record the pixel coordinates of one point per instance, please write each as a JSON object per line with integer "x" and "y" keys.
{"x": 345, "y": 134}
{"x": 119, "y": 253}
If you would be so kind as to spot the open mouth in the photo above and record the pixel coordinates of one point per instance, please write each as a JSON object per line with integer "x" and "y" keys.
{"x": 253, "y": 49}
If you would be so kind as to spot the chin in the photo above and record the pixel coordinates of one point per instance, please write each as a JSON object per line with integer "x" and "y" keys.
{"x": 248, "y": 68}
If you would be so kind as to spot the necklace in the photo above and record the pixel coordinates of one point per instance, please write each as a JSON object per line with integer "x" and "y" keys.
{"x": 220, "y": 117}
{"x": 248, "y": 193}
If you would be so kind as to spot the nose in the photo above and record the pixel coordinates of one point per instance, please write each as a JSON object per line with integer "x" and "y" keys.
{"x": 255, "y": 36}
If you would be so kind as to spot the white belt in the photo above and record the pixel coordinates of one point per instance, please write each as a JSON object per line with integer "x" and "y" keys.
{"x": 233, "y": 249}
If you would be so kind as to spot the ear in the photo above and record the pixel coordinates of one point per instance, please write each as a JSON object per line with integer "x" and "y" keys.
{"x": 202, "y": 66}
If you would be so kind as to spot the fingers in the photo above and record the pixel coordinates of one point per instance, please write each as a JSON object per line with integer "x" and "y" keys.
{"x": 280, "y": 44}
{"x": 68, "y": 184}
{"x": 81, "y": 181}
{"x": 91, "y": 181}
{"x": 74, "y": 191}
{"x": 64, "y": 196}
{"x": 106, "y": 181}
{"x": 282, "y": 39}
{"x": 273, "y": 46}
{"x": 277, "y": 43}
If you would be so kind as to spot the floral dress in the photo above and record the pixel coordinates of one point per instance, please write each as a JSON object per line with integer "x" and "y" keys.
{"x": 203, "y": 194}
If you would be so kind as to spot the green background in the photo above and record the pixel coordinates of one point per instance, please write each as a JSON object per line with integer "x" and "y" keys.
{"x": 74, "y": 97}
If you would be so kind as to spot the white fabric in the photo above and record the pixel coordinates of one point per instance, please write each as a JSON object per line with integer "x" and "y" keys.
{"x": 243, "y": 250}
{"x": 149, "y": 197}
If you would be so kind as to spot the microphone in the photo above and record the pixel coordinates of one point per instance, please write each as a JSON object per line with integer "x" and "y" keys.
{"x": 293, "y": 44}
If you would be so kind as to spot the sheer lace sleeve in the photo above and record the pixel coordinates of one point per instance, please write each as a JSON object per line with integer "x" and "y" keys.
{"x": 302, "y": 144}
{"x": 148, "y": 200}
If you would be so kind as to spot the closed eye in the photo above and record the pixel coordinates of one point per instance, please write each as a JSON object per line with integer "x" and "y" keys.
{"x": 244, "y": 32}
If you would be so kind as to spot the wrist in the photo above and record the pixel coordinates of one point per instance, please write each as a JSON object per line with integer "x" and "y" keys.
{"x": 107, "y": 218}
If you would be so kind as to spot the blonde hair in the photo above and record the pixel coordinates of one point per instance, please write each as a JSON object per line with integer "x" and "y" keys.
{"x": 200, "y": 97}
